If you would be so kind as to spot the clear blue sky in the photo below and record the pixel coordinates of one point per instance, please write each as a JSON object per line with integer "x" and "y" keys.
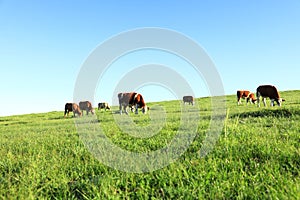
{"x": 43, "y": 44}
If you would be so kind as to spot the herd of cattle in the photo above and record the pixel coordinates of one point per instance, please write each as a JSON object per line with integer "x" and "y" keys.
{"x": 264, "y": 91}
{"x": 132, "y": 100}
{"x": 135, "y": 101}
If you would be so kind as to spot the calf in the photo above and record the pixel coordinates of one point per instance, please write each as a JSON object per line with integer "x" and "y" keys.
{"x": 72, "y": 107}
{"x": 87, "y": 106}
{"x": 268, "y": 91}
{"x": 132, "y": 99}
{"x": 245, "y": 94}
{"x": 188, "y": 99}
{"x": 103, "y": 105}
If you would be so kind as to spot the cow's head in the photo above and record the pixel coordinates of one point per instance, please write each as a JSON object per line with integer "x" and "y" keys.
{"x": 93, "y": 111}
{"x": 252, "y": 97}
{"x": 279, "y": 101}
{"x": 145, "y": 109}
{"x": 254, "y": 101}
{"x": 78, "y": 111}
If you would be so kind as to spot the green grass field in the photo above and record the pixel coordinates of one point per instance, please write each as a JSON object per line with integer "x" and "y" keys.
{"x": 257, "y": 156}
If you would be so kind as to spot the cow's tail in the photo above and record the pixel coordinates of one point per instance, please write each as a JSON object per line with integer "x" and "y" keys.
{"x": 66, "y": 110}
{"x": 238, "y": 93}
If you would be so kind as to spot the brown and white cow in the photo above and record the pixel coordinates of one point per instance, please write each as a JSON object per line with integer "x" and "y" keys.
{"x": 245, "y": 94}
{"x": 268, "y": 91}
{"x": 103, "y": 105}
{"x": 188, "y": 99}
{"x": 132, "y": 99}
{"x": 69, "y": 107}
{"x": 87, "y": 106}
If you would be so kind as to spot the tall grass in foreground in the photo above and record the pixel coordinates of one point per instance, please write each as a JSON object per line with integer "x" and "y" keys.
{"x": 256, "y": 157}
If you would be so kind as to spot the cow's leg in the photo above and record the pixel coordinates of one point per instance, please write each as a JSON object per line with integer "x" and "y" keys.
{"x": 272, "y": 103}
{"x": 136, "y": 109}
{"x": 258, "y": 98}
{"x": 120, "y": 108}
{"x": 238, "y": 101}
{"x": 264, "y": 101}
{"x": 278, "y": 101}
{"x": 125, "y": 108}
{"x": 250, "y": 100}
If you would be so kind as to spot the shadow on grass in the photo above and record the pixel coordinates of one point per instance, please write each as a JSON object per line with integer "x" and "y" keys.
{"x": 58, "y": 118}
{"x": 16, "y": 123}
{"x": 284, "y": 113}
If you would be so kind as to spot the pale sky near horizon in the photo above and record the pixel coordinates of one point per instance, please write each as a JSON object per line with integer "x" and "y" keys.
{"x": 43, "y": 45}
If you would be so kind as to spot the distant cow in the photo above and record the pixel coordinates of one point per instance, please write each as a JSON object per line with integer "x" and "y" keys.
{"x": 268, "y": 91}
{"x": 103, "y": 105}
{"x": 69, "y": 107}
{"x": 188, "y": 99}
{"x": 245, "y": 94}
{"x": 132, "y": 100}
{"x": 87, "y": 106}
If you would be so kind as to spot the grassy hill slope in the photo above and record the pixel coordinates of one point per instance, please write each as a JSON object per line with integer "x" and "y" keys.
{"x": 257, "y": 156}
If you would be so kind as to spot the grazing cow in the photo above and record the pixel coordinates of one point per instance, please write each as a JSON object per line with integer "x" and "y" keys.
{"x": 245, "y": 94}
{"x": 132, "y": 100}
{"x": 72, "y": 107}
{"x": 103, "y": 105}
{"x": 268, "y": 91}
{"x": 188, "y": 99}
{"x": 87, "y": 106}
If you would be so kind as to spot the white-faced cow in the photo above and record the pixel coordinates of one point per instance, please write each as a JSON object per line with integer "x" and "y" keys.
{"x": 188, "y": 99}
{"x": 132, "y": 99}
{"x": 103, "y": 105}
{"x": 69, "y": 107}
{"x": 87, "y": 106}
{"x": 245, "y": 94}
{"x": 268, "y": 91}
